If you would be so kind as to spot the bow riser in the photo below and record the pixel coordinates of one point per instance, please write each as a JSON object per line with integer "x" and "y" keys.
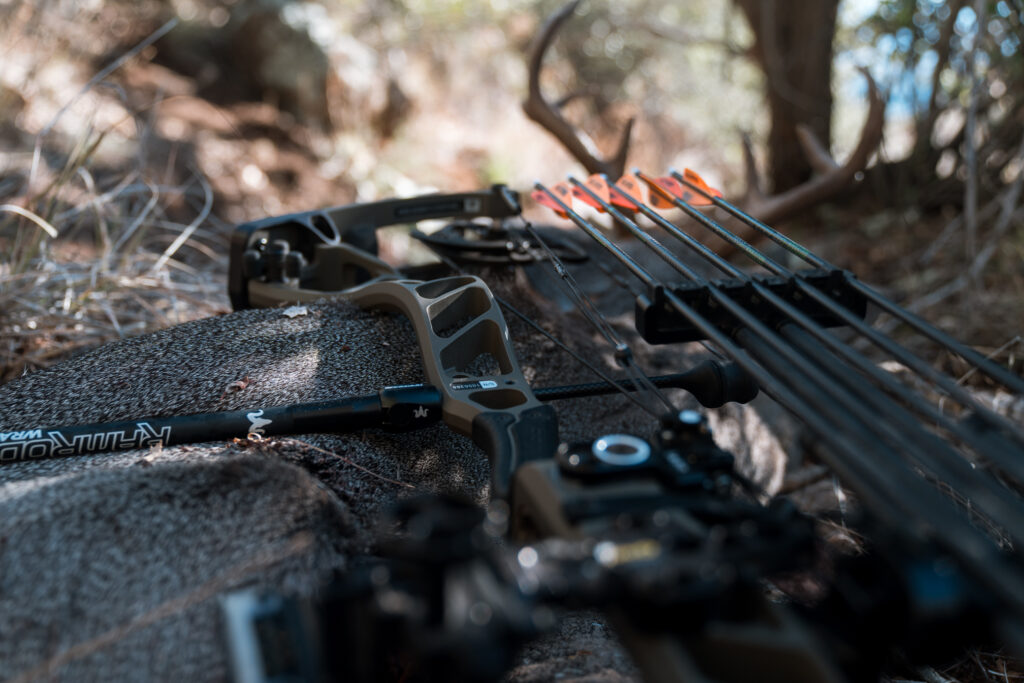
{"x": 459, "y": 329}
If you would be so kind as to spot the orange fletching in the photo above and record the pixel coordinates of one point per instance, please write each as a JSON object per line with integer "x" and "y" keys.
{"x": 562, "y": 191}
{"x": 599, "y": 186}
{"x": 692, "y": 177}
{"x": 670, "y": 185}
{"x": 632, "y": 191}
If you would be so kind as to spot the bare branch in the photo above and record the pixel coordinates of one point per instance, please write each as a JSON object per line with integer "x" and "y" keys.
{"x": 540, "y": 110}
{"x": 942, "y": 48}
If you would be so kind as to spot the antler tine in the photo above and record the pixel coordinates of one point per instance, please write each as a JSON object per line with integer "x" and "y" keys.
{"x": 755, "y": 190}
{"x": 833, "y": 177}
{"x": 815, "y": 151}
{"x": 537, "y": 107}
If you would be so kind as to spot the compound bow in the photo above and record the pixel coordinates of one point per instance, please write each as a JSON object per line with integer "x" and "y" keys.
{"x": 659, "y": 533}
{"x": 665, "y": 534}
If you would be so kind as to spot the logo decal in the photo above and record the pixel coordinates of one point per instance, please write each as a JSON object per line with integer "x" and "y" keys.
{"x": 482, "y": 384}
{"x": 21, "y": 436}
{"x": 420, "y": 412}
{"x": 258, "y": 423}
{"x": 33, "y": 443}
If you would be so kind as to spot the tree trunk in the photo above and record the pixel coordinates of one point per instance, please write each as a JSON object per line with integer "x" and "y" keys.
{"x": 793, "y": 45}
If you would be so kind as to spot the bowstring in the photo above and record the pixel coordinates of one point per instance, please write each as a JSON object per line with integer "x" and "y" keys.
{"x": 634, "y": 292}
{"x": 555, "y": 340}
{"x": 623, "y": 353}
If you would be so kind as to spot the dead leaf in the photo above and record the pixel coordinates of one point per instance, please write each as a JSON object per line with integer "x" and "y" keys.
{"x": 296, "y": 311}
{"x": 235, "y": 386}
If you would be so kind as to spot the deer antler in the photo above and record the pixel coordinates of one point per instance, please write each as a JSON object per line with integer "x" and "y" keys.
{"x": 550, "y": 118}
{"x": 832, "y": 177}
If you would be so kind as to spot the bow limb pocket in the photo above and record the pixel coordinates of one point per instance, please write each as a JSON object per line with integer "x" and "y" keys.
{"x": 511, "y": 439}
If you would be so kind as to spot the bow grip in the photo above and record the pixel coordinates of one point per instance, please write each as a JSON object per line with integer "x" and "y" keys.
{"x": 512, "y": 439}
{"x": 468, "y": 357}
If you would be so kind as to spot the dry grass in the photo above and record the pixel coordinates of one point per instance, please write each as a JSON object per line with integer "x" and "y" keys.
{"x": 91, "y": 252}
{"x": 997, "y": 667}
{"x": 82, "y": 264}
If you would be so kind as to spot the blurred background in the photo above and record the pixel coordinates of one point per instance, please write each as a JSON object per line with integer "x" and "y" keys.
{"x": 134, "y": 135}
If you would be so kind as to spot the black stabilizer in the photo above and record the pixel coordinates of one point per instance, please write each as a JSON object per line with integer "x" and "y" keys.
{"x": 714, "y": 384}
{"x": 400, "y": 408}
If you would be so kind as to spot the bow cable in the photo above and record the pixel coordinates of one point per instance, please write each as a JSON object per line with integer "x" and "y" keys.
{"x": 625, "y": 388}
{"x": 623, "y": 354}
{"x": 775, "y": 376}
